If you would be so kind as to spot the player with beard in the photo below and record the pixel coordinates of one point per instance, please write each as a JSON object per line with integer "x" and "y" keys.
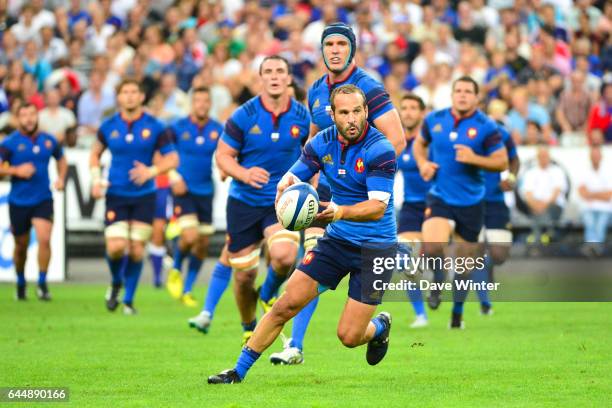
{"x": 24, "y": 157}
{"x": 360, "y": 165}
{"x": 133, "y": 137}
{"x": 463, "y": 142}
{"x": 338, "y": 46}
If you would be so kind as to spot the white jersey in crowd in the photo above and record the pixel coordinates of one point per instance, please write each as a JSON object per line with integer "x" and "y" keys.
{"x": 597, "y": 181}
{"x": 542, "y": 182}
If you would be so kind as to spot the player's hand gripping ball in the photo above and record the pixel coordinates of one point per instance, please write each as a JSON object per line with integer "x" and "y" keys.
{"x": 297, "y": 206}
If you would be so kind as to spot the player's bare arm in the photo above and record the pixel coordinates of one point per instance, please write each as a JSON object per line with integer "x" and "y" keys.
{"x": 141, "y": 173}
{"x": 390, "y": 125}
{"x": 370, "y": 210}
{"x": 62, "y": 170}
{"x": 24, "y": 171}
{"x": 497, "y": 161}
{"x": 226, "y": 157}
{"x": 420, "y": 150}
{"x": 94, "y": 167}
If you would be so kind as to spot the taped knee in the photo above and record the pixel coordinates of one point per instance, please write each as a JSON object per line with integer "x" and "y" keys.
{"x": 206, "y": 229}
{"x": 246, "y": 262}
{"x": 498, "y": 236}
{"x": 292, "y": 237}
{"x": 310, "y": 240}
{"x": 118, "y": 229}
{"x": 188, "y": 221}
{"x": 140, "y": 232}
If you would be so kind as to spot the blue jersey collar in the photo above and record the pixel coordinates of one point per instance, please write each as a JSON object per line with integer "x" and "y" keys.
{"x": 335, "y": 83}
{"x": 275, "y": 117}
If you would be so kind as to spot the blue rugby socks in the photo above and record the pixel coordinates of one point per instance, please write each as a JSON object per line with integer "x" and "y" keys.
{"x": 271, "y": 285}
{"x": 132, "y": 275}
{"x": 300, "y": 324}
{"x": 219, "y": 281}
{"x": 195, "y": 264}
{"x": 246, "y": 360}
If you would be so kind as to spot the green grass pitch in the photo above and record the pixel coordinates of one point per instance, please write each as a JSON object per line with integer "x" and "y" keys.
{"x": 527, "y": 354}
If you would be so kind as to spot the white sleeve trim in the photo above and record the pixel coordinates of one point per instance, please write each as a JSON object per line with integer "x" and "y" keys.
{"x": 380, "y": 196}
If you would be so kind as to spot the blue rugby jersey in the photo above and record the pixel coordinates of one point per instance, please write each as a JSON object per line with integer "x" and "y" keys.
{"x": 493, "y": 178}
{"x": 17, "y": 149}
{"x": 415, "y": 188}
{"x": 457, "y": 183}
{"x": 267, "y": 141}
{"x": 377, "y": 99}
{"x": 353, "y": 171}
{"x": 127, "y": 142}
{"x": 196, "y": 146}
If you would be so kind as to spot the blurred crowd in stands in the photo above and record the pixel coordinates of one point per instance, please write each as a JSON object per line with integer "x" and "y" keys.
{"x": 545, "y": 66}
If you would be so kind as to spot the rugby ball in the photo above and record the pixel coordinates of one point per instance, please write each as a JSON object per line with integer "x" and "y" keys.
{"x": 297, "y": 206}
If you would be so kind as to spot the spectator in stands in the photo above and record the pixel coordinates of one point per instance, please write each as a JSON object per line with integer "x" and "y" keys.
{"x": 598, "y": 127}
{"x": 29, "y": 91}
{"x": 99, "y": 31}
{"x": 8, "y": 119}
{"x": 10, "y": 50}
{"x": 52, "y": 49}
{"x": 57, "y": 120}
{"x": 544, "y": 187}
{"x": 466, "y": 29}
{"x": 25, "y": 29}
{"x": 427, "y": 29}
{"x": 35, "y": 65}
{"x": 538, "y": 67}
{"x": 595, "y": 190}
{"x": 498, "y": 70}
{"x": 176, "y": 102}
{"x": 94, "y": 104}
{"x": 523, "y": 111}
{"x": 574, "y": 106}
{"x": 434, "y": 94}
{"x": 119, "y": 53}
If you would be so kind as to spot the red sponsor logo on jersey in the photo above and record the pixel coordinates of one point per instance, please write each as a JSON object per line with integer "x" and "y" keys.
{"x": 110, "y": 215}
{"x": 214, "y": 135}
{"x": 472, "y": 132}
{"x": 178, "y": 210}
{"x": 295, "y": 131}
{"x": 308, "y": 258}
{"x": 359, "y": 166}
{"x": 48, "y": 144}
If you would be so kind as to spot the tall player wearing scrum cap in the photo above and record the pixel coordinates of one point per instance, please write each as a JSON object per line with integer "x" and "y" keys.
{"x": 338, "y": 46}
{"x": 133, "y": 137}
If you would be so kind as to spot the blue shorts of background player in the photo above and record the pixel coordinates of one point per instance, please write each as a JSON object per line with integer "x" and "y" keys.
{"x": 21, "y": 216}
{"x": 246, "y": 223}
{"x": 163, "y": 203}
{"x": 332, "y": 259}
{"x": 496, "y": 215}
{"x": 468, "y": 220}
{"x": 200, "y": 205}
{"x": 411, "y": 217}
{"x": 120, "y": 208}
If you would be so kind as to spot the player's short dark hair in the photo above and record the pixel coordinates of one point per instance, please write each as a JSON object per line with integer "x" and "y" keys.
{"x": 346, "y": 90}
{"x": 414, "y": 97}
{"x": 469, "y": 79}
{"x": 26, "y": 105}
{"x": 275, "y": 57}
{"x": 129, "y": 81}
{"x": 200, "y": 89}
